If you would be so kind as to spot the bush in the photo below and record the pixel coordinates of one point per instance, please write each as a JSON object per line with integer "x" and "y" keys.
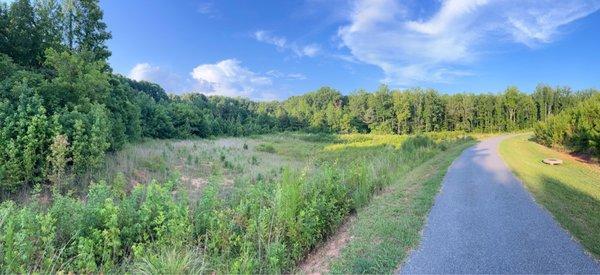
{"x": 576, "y": 129}
{"x": 264, "y": 227}
{"x": 265, "y": 147}
{"x": 95, "y": 235}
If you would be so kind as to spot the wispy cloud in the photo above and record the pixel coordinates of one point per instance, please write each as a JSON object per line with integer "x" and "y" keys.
{"x": 409, "y": 49}
{"x": 208, "y": 9}
{"x": 282, "y": 44}
{"x": 292, "y": 76}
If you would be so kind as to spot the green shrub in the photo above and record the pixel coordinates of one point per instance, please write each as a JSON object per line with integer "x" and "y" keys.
{"x": 264, "y": 227}
{"x": 155, "y": 164}
{"x": 317, "y": 137}
{"x": 265, "y": 147}
{"x": 415, "y": 142}
{"x": 95, "y": 235}
{"x": 576, "y": 129}
{"x": 57, "y": 160}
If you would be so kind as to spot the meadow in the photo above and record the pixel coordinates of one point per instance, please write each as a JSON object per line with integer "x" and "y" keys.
{"x": 230, "y": 205}
{"x": 106, "y": 173}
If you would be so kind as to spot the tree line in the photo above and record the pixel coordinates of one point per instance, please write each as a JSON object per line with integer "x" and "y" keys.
{"x": 574, "y": 129}
{"x": 62, "y": 108}
{"x": 410, "y": 111}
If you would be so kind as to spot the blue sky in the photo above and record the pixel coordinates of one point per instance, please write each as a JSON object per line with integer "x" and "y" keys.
{"x": 274, "y": 49}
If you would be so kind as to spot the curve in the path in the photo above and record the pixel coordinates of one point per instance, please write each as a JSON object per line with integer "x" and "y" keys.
{"x": 484, "y": 221}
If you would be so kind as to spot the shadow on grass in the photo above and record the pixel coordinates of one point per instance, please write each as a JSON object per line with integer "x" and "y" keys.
{"x": 319, "y": 137}
{"x": 576, "y": 211}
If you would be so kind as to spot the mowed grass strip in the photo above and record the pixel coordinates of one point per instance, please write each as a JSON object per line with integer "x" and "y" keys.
{"x": 571, "y": 191}
{"x": 386, "y": 229}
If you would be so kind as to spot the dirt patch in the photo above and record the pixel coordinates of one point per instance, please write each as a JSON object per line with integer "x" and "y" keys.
{"x": 585, "y": 159}
{"x": 318, "y": 261}
{"x": 228, "y": 182}
{"x": 194, "y": 183}
{"x": 139, "y": 177}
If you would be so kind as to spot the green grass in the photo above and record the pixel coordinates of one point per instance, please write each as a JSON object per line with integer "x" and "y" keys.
{"x": 387, "y": 228}
{"x": 571, "y": 192}
{"x": 198, "y": 162}
{"x": 232, "y": 205}
{"x": 170, "y": 261}
{"x": 265, "y": 147}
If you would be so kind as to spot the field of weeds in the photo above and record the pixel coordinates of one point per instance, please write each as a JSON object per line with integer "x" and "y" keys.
{"x": 229, "y": 205}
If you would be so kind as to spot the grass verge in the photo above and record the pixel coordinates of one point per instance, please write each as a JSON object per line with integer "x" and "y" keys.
{"x": 571, "y": 192}
{"x": 390, "y": 225}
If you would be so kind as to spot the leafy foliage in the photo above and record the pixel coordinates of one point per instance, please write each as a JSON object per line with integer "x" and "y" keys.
{"x": 265, "y": 227}
{"x": 576, "y": 129}
{"x": 62, "y": 109}
{"x": 55, "y": 82}
{"x": 91, "y": 236}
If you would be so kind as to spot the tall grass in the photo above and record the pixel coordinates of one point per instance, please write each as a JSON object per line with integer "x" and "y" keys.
{"x": 276, "y": 224}
{"x": 170, "y": 261}
{"x": 263, "y": 223}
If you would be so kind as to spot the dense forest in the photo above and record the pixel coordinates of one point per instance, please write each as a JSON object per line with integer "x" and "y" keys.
{"x": 62, "y": 108}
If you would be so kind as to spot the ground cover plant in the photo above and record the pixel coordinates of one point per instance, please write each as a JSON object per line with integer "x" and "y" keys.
{"x": 571, "y": 191}
{"x": 254, "y": 211}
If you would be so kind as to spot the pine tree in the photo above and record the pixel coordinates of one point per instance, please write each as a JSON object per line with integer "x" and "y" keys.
{"x": 4, "y": 23}
{"x": 24, "y": 43}
{"x": 68, "y": 23}
{"x": 48, "y": 18}
{"x": 91, "y": 32}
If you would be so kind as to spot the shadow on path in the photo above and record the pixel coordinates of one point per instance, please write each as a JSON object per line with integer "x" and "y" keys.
{"x": 484, "y": 221}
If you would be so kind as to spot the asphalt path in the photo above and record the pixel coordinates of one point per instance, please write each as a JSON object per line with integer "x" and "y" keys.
{"x": 484, "y": 221}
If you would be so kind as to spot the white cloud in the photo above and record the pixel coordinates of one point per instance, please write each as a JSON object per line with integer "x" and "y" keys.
{"x": 143, "y": 71}
{"x": 281, "y": 43}
{"x": 263, "y": 36}
{"x": 229, "y": 78}
{"x": 297, "y": 76}
{"x": 311, "y": 50}
{"x": 171, "y": 82}
{"x": 292, "y": 76}
{"x": 409, "y": 49}
{"x": 208, "y": 9}
{"x": 535, "y": 22}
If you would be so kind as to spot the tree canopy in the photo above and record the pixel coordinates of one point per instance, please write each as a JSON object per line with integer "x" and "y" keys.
{"x": 62, "y": 108}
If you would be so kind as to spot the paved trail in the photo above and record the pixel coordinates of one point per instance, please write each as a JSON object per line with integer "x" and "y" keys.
{"x": 484, "y": 221}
